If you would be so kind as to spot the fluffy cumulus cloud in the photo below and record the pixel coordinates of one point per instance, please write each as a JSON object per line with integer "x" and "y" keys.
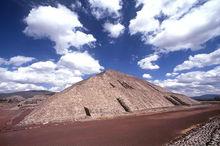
{"x": 199, "y": 61}
{"x": 2, "y": 61}
{"x": 60, "y": 25}
{"x": 148, "y": 62}
{"x": 176, "y": 25}
{"x": 194, "y": 83}
{"x": 114, "y": 30}
{"x": 45, "y": 73}
{"x": 50, "y": 75}
{"x": 83, "y": 62}
{"x": 13, "y": 87}
{"x": 173, "y": 74}
{"x": 16, "y": 60}
{"x": 147, "y": 76}
{"x": 103, "y": 8}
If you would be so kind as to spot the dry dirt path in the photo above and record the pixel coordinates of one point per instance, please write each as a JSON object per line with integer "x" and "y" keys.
{"x": 151, "y": 130}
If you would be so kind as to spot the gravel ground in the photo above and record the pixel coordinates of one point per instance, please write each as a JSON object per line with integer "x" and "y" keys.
{"x": 207, "y": 134}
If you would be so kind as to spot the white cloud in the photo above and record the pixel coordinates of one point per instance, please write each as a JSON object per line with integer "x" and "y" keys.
{"x": 19, "y": 60}
{"x": 80, "y": 61}
{"x": 50, "y": 75}
{"x": 114, "y": 30}
{"x": 147, "y": 63}
{"x": 7, "y": 87}
{"x": 199, "y": 61}
{"x": 2, "y": 61}
{"x": 38, "y": 73}
{"x": 59, "y": 25}
{"x": 147, "y": 76}
{"x": 44, "y": 66}
{"x": 16, "y": 60}
{"x": 171, "y": 74}
{"x": 194, "y": 82}
{"x": 185, "y": 25}
{"x": 76, "y": 5}
{"x": 103, "y": 8}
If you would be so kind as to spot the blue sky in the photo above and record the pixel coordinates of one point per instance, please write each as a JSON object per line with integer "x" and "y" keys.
{"x": 49, "y": 45}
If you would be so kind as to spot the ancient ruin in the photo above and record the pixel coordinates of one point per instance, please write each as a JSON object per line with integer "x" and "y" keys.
{"x": 108, "y": 94}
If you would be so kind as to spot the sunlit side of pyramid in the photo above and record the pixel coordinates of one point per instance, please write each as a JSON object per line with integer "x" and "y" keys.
{"x": 108, "y": 94}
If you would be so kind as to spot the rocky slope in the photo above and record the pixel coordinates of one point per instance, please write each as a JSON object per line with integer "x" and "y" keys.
{"x": 208, "y": 134}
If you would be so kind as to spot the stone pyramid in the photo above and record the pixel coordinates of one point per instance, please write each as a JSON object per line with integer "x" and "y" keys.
{"x": 108, "y": 94}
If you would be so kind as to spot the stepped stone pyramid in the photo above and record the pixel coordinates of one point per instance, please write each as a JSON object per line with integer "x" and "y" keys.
{"x": 108, "y": 94}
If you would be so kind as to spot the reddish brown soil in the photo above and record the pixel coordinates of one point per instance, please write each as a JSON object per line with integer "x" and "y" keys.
{"x": 143, "y": 130}
{"x": 6, "y": 114}
{"x": 5, "y": 117}
{"x": 10, "y": 117}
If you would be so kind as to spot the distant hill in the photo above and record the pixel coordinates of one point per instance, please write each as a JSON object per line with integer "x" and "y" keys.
{"x": 26, "y": 94}
{"x": 208, "y": 97}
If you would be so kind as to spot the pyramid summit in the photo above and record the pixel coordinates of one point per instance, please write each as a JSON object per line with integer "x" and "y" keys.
{"x": 108, "y": 94}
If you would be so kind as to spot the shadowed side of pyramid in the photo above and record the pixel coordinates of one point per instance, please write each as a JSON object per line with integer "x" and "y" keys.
{"x": 108, "y": 94}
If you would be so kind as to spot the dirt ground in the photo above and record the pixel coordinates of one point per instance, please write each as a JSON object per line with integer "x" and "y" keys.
{"x": 11, "y": 115}
{"x": 152, "y": 130}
